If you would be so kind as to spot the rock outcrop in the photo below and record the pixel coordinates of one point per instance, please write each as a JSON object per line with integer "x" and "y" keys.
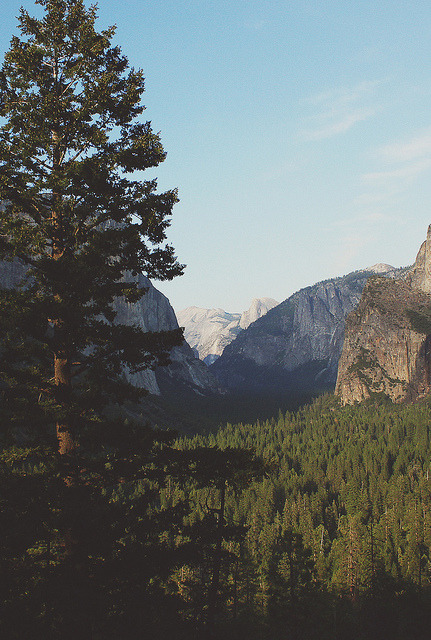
{"x": 420, "y": 276}
{"x": 387, "y": 346}
{"x": 258, "y": 308}
{"x": 209, "y": 331}
{"x": 11, "y": 273}
{"x": 295, "y": 346}
{"x": 152, "y": 312}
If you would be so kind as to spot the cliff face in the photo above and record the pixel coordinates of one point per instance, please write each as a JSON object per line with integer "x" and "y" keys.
{"x": 297, "y": 345}
{"x": 152, "y": 312}
{"x": 387, "y": 346}
{"x": 258, "y": 308}
{"x": 209, "y": 331}
{"x": 420, "y": 276}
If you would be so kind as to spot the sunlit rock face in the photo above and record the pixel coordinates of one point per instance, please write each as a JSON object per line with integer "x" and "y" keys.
{"x": 420, "y": 275}
{"x": 258, "y": 308}
{"x": 152, "y": 312}
{"x": 209, "y": 331}
{"x": 387, "y": 350}
{"x": 296, "y": 345}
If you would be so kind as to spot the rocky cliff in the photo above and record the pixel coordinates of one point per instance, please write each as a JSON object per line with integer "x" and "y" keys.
{"x": 295, "y": 346}
{"x": 387, "y": 346}
{"x": 152, "y": 312}
{"x": 420, "y": 276}
{"x": 258, "y": 308}
{"x": 209, "y": 331}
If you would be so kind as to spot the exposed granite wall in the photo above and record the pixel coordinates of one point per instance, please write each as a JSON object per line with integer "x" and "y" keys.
{"x": 420, "y": 276}
{"x": 387, "y": 345}
{"x": 295, "y": 345}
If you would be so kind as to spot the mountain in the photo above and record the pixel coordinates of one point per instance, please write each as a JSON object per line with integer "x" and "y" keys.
{"x": 258, "y": 308}
{"x": 209, "y": 331}
{"x": 152, "y": 312}
{"x": 387, "y": 348}
{"x": 296, "y": 346}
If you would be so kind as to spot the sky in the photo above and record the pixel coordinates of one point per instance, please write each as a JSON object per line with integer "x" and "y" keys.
{"x": 298, "y": 134}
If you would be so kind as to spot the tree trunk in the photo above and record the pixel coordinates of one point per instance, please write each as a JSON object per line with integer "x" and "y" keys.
{"x": 215, "y": 578}
{"x": 62, "y": 360}
{"x": 63, "y": 382}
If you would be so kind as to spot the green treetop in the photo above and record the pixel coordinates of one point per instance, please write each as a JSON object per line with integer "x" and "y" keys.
{"x": 73, "y": 214}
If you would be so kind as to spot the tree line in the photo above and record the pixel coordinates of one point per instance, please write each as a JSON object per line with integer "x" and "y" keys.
{"x": 339, "y": 533}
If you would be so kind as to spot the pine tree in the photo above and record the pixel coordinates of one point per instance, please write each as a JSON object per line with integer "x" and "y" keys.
{"x": 76, "y": 219}
{"x": 83, "y": 530}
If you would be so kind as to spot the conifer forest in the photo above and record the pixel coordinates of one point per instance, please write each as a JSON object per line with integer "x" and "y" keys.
{"x": 312, "y": 524}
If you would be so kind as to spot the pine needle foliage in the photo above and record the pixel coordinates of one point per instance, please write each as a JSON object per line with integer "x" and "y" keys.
{"x": 82, "y": 533}
{"x": 76, "y": 219}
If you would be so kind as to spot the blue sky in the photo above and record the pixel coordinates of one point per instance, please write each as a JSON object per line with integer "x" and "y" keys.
{"x": 298, "y": 134}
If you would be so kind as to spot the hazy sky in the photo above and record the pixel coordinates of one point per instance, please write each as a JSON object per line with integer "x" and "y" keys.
{"x": 298, "y": 134}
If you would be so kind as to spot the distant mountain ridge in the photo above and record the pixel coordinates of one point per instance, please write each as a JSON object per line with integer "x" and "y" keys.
{"x": 296, "y": 346}
{"x": 209, "y": 331}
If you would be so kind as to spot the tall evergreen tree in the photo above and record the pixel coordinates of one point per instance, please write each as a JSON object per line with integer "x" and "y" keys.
{"x": 77, "y": 219}
{"x": 80, "y": 544}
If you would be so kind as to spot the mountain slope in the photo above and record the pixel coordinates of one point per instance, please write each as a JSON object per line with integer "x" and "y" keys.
{"x": 295, "y": 346}
{"x": 209, "y": 331}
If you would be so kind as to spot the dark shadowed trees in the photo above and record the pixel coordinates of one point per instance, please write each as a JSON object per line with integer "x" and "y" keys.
{"x": 82, "y": 549}
{"x": 71, "y": 138}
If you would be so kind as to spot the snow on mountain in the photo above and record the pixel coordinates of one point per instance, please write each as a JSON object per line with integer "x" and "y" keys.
{"x": 209, "y": 331}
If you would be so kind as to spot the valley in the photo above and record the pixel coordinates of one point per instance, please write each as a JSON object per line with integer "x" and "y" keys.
{"x": 259, "y": 474}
